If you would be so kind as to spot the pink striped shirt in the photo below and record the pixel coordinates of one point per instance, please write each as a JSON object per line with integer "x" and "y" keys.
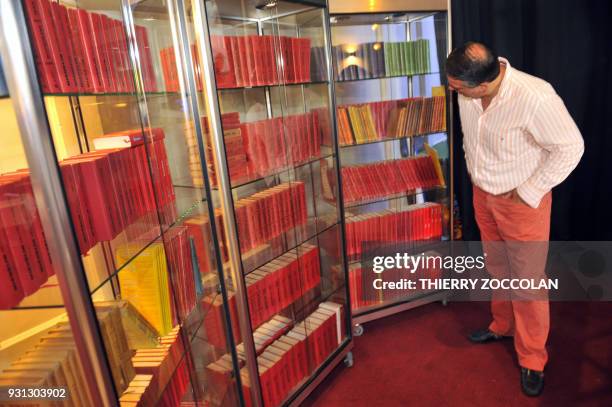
{"x": 526, "y": 138}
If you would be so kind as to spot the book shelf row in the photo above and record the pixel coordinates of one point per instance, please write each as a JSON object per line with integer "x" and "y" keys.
{"x": 380, "y": 59}
{"x": 286, "y": 353}
{"x": 384, "y": 178}
{"x": 254, "y": 60}
{"x": 80, "y": 51}
{"x": 374, "y": 121}
{"x": 256, "y": 149}
{"x": 364, "y": 295}
{"x": 419, "y": 222}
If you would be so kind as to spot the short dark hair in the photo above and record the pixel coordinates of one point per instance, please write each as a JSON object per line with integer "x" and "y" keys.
{"x": 473, "y": 63}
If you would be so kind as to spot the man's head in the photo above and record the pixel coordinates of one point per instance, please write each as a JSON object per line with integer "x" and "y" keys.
{"x": 471, "y": 68}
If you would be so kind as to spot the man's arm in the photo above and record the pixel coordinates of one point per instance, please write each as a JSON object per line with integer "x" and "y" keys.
{"x": 553, "y": 129}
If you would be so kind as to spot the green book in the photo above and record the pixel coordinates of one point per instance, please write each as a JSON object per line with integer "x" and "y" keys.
{"x": 387, "y": 51}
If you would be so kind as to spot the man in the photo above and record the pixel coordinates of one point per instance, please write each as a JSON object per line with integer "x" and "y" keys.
{"x": 519, "y": 142}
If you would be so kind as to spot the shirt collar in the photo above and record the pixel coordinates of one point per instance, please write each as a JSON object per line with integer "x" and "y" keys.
{"x": 503, "y": 88}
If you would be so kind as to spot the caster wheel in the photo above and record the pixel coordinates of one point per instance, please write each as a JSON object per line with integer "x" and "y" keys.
{"x": 348, "y": 359}
{"x": 444, "y": 302}
{"x": 358, "y": 330}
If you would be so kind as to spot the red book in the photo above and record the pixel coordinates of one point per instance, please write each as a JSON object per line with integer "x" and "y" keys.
{"x": 105, "y": 44}
{"x": 223, "y": 60}
{"x": 114, "y": 53}
{"x": 257, "y": 59}
{"x": 237, "y": 61}
{"x": 46, "y": 54}
{"x": 98, "y": 49}
{"x": 11, "y": 291}
{"x": 246, "y": 45}
{"x": 15, "y": 221}
{"x": 67, "y": 57}
{"x": 126, "y": 66}
{"x": 36, "y": 227}
{"x": 243, "y": 60}
{"x": 69, "y": 35}
{"x": 61, "y": 58}
{"x": 91, "y": 57}
{"x": 142, "y": 37}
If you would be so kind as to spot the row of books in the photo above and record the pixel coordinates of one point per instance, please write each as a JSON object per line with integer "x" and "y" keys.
{"x": 256, "y": 149}
{"x": 289, "y": 360}
{"x": 218, "y": 373}
{"x": 78, "y": 51}
{"x": 180, "y": 263}
{"x": 51, "y": 363}
{"x": 145, "y": 280}
{"x": 269, "y": 213}
{"x": 252, "y": 60}
{"x": 25, "y": 264}
{"x": 381, "y": 59}
{"x": 168, "y": 368}
{"x": 419, "y": 222}
{"x": 363, "y": 293}
{"x": 385, "y": 178}
{"x": 279, "y": 283}
{"x": 374, "y": 121}
{"x": 124, "y": 183}
{"x": 407, "y": 57}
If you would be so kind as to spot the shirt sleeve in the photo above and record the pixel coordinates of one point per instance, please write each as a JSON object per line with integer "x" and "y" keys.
{"x": 554, "y": 130}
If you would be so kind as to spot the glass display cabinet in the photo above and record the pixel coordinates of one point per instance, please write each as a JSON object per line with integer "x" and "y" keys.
{"x": 395, "y": 149}
{"x": 196, "y": 163}
{"x": 269, "y": 139}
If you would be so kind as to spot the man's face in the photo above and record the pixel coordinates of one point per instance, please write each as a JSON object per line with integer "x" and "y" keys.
{"x": 462, "y": 88}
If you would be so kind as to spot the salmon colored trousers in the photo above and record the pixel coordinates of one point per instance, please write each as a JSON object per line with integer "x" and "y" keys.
{"x": 505, "y": 226}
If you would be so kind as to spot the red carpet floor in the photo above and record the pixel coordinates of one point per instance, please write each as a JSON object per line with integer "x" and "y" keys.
{"x": 422, "y": 358}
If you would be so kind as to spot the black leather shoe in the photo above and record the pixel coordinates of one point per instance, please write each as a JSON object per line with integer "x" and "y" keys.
{"x": 532, "y": 382}
{"x": 484, "y": 336}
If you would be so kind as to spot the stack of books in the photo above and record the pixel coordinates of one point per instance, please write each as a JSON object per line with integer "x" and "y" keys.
{"x": 254, "y": 60}
{"x": 279, "y": 283}
{"x": 267, "y": 214}
{"x": 53, "y": 362}
{"x": 384, "y": 178}
{"x": 145, "y": 284}
{"x": 289, "y": 360}
{"x": 78, "y": 51}
{"x": 260, "y": 148}
{"x": 419, "y": 222}
{"x": 407, "y": 57}
{"x": 147, "y": 167}
{"x": 367, "y": 122}
{"x": 178, "y": 251}
{"x": 25, "y": 263}
{"x": 361, "y": 283}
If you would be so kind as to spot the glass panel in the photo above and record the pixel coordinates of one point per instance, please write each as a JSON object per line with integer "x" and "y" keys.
{"x": 391, "y": 110}
{"x": 273, "y": 89}
{"x": 37, "y": 349}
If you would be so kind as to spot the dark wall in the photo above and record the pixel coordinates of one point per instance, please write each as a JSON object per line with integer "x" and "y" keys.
{"x": 569, "y": 44}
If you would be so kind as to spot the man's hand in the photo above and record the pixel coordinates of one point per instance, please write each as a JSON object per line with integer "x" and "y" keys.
{"x": 514, "y": 197}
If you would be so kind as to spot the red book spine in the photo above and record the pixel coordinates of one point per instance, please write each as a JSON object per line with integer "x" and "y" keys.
{"x": 37, "y": 230}
{"x": 71, "y": 35}
{"x": 128, "y": 78}
{"x": 237, "y": 61}
{"x": 59, "y": 52}
{"x": 112, "y": 45}
{"x": 91, "y": 58}
{"x": 11, "y": 291}
{"x": 243, "y": 60}
{"x": 43, "y": 47}
{"x": 104, "y": 33}
{"x": 250, "y": 42}
{"x": 98, "y": 49}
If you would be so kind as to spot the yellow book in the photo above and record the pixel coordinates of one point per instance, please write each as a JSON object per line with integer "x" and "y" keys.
{"x": 144, "y": 283}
